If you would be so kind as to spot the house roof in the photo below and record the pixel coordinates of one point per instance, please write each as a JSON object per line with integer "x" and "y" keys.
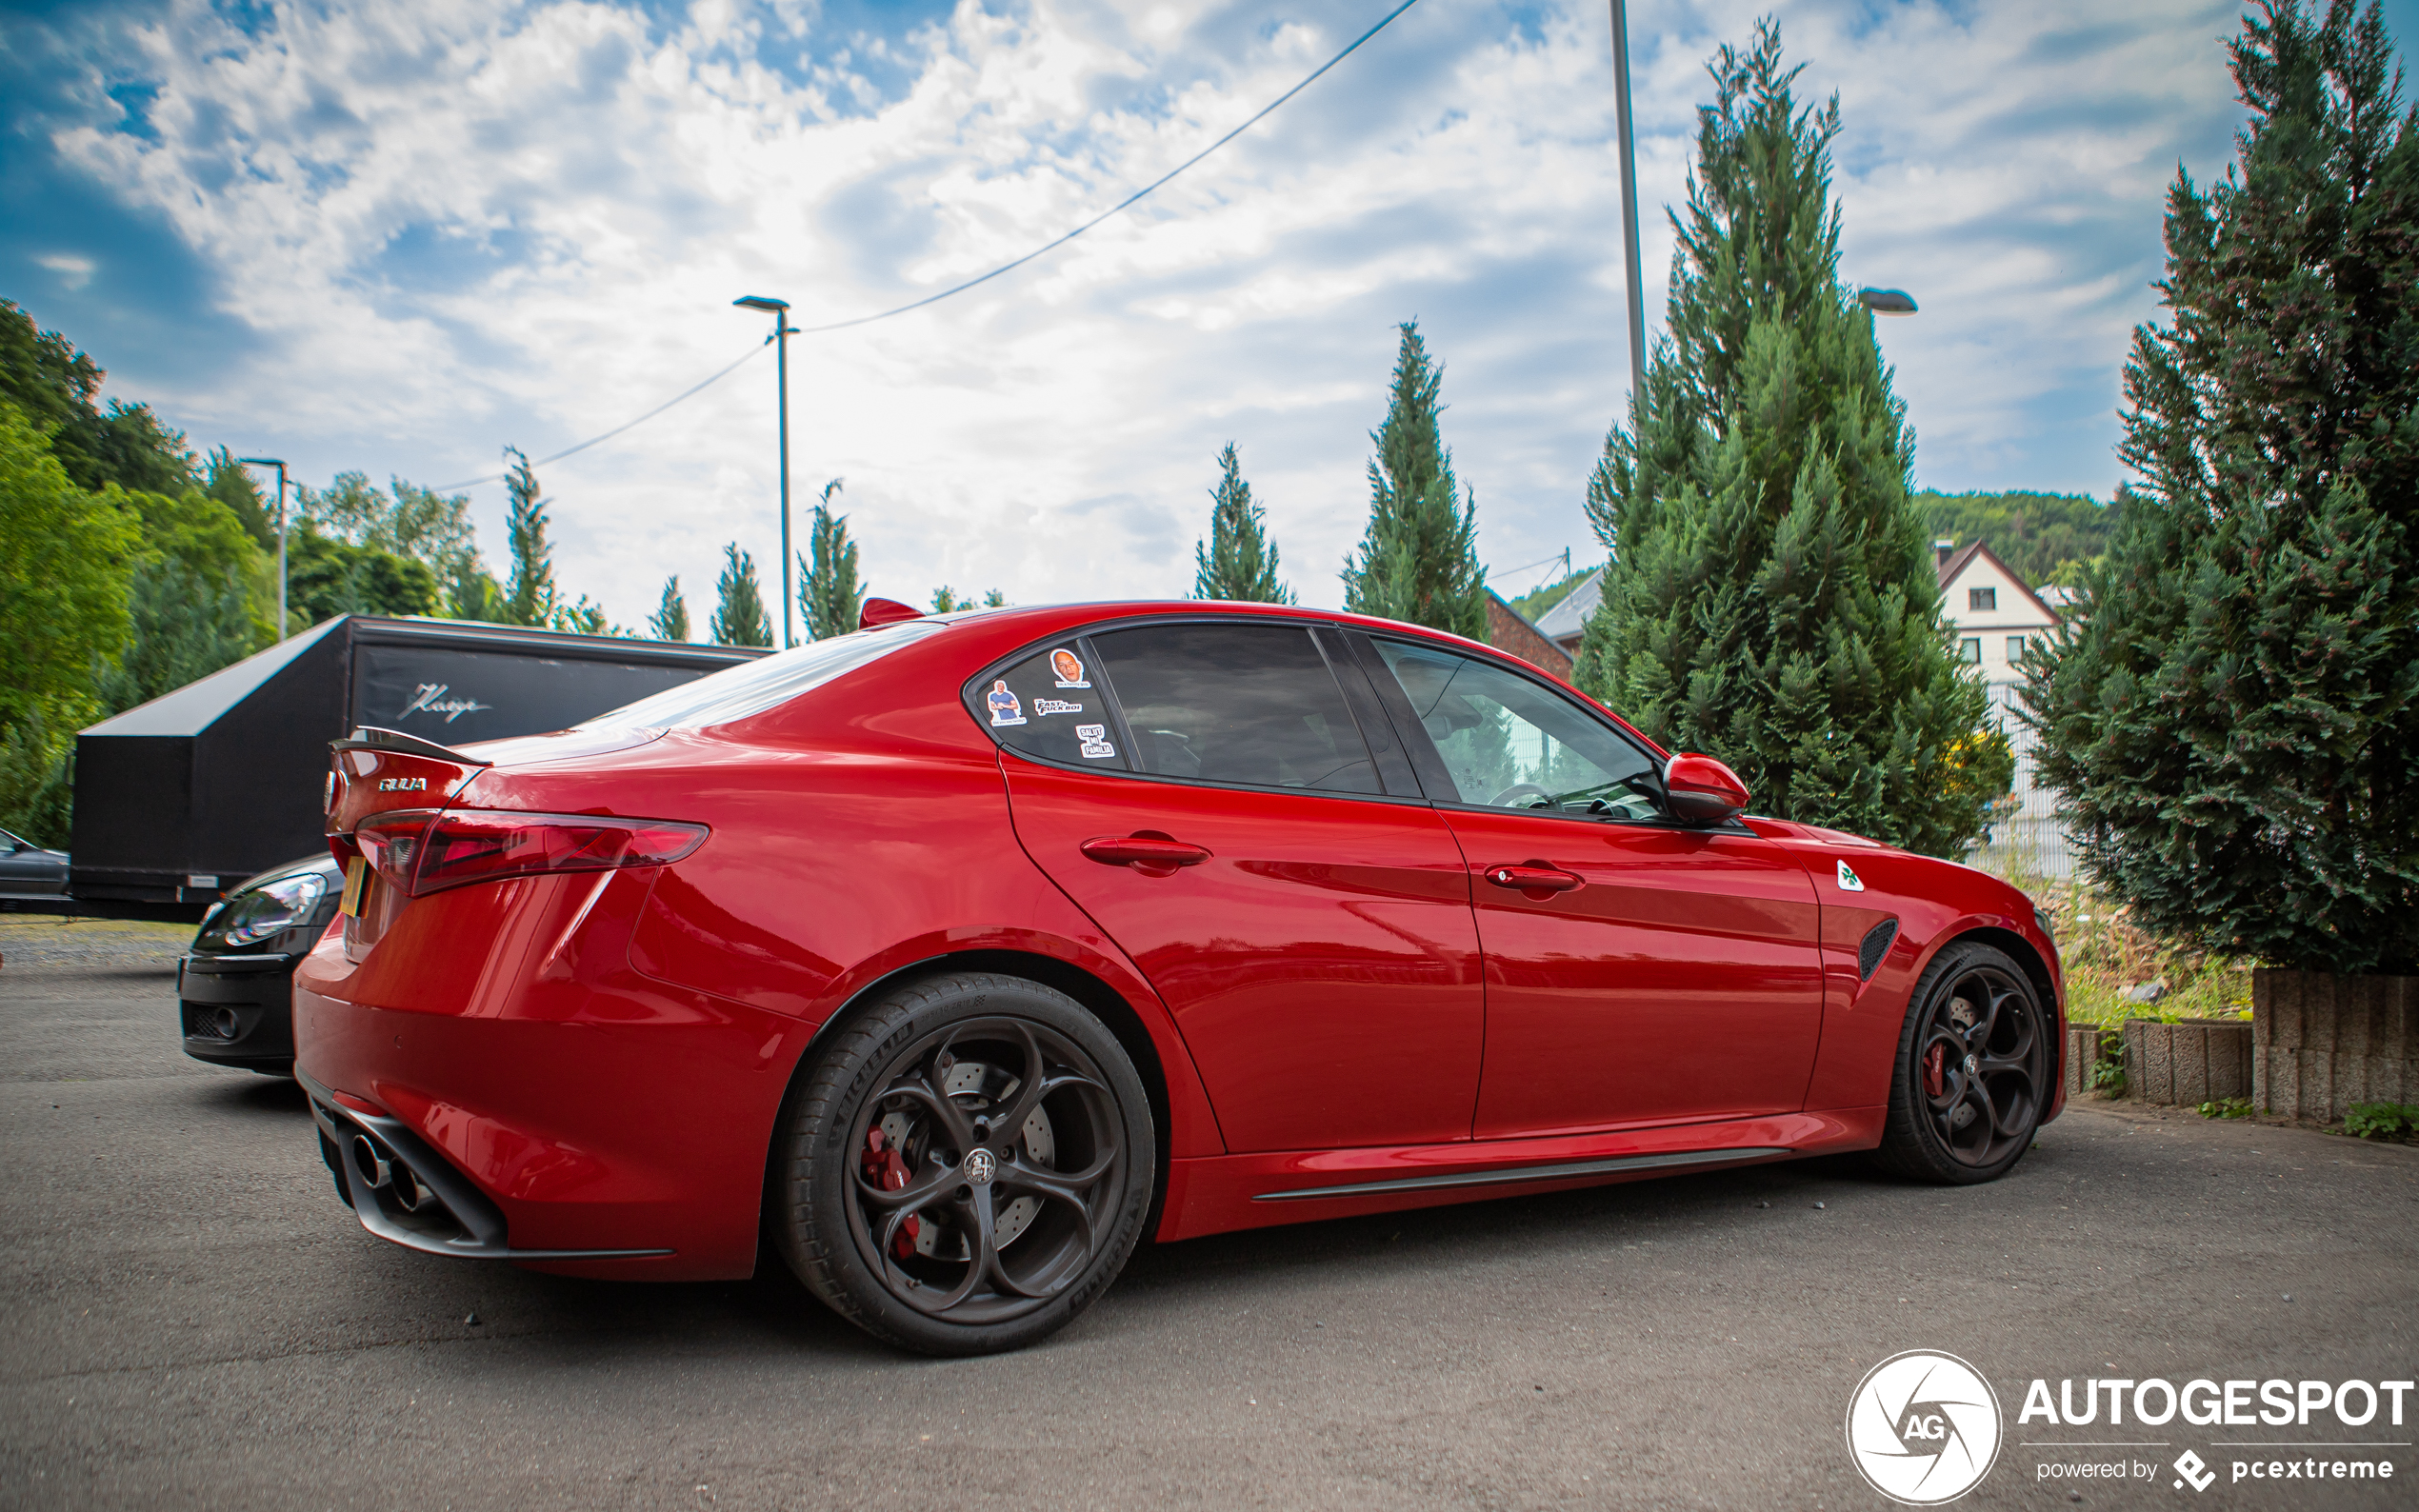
{"x": 1563, "y": 623}
{"x": 1957, "y": 565}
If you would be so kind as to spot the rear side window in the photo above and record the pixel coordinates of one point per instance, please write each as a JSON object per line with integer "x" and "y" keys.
{"x": 1237, "y": 703}
{"x": 1051, "y": 706}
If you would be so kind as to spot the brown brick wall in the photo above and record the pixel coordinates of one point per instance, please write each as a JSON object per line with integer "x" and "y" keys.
{"x": 1508, "y": 631}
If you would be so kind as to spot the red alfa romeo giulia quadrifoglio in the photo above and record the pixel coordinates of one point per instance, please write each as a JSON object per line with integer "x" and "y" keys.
{"x": 960, "y": 953}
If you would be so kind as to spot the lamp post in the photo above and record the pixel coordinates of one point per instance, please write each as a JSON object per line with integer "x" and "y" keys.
{"x": 280, "y": 466}
{"x": 1628, "y": 202}
{"x": 782, "y": 331}
{"x": 1886, "y": 301}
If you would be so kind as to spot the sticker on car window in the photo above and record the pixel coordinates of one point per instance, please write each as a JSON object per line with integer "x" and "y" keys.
{"x": 1055, "y": 705}
{"x": 1095, "y": 739}
{"x": 1068, "y": 666}
{"x": 1004, "y": 706}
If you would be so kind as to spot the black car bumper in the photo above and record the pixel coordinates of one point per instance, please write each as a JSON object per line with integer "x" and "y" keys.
{"x": 238, "y": 1009}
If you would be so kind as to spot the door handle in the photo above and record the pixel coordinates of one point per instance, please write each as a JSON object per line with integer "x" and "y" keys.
{"x": 1532, "y": 877}
{"x": 1156, "y": 855}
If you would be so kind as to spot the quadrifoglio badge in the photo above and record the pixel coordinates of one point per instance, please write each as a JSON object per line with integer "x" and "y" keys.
{"x": 1925, "y": 1429}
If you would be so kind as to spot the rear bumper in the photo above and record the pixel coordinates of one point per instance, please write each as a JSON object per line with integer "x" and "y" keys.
{"x": 497, "y": 1039}
{"x": 238, "y": 1009}
{"x": 408, "y": 1194}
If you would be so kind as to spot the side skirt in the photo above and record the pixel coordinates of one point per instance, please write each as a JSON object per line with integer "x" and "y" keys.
{"x": 1218, "y": 1194}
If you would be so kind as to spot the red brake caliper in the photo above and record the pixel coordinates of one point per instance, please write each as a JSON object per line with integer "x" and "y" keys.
{"x": 1935, "y": 1074}
{"x": 888, "y": 1170}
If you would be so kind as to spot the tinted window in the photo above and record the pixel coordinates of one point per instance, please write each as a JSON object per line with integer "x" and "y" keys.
{"x": 1237, "y": 703}
{"x": 1050, "y": 706}
{"x": 757, "y": 685}
{"x": 1510, "y": 742}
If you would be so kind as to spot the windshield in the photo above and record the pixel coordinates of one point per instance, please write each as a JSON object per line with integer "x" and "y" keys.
{"x": 739, "y": 691}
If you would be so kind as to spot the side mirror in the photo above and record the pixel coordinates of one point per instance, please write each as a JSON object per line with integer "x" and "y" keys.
{"x": 1701, "y": 791}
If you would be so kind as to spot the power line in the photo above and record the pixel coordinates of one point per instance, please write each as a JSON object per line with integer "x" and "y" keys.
{"x": 1126, "y": 203}
{"x": 686, "y": 393}
{"x": 1129, "y": 200}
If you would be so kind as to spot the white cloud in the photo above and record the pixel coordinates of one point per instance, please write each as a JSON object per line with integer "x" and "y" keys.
{"x": 74, "y": 273}
{"x": 456, "y": 227}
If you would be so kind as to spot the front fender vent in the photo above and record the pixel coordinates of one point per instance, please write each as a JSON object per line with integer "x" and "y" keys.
{"x": 1869, "y": 955}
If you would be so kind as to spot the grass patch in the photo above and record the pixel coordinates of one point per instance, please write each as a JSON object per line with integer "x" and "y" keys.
{"x": 2103, "y": 954}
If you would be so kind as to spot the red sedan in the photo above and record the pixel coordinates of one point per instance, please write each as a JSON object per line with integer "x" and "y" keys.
{"x": 960, "y": 953}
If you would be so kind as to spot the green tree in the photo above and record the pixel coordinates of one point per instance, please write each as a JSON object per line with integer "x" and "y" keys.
{"x": 1771, "y": 598}
{"x": 185, "y": 624}
{"x": 994, "y": 599}
{"x": 529, "y": 595}
{"x": 1419, "y": 562}
{"x": 671, "y": 620}
{"x": 1238, "y": 561}
{"x": 54, "y": 386}
{"x": 65, "y": 558}
{"x": 472, "y": 593}
{"x": 2233, "y": 726}
{"x": 325, "y": 578}
{"x": 739, "y": 618}
{"x": 827, "y": 585}
{"x": 231, "y": 483}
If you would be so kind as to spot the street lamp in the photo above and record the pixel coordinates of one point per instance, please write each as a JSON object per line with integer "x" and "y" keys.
{"x": 782, "y": 331}
{"x": 280, "y": 466}
{"x": 1628, "y": 202}
{"x": 1886, "y": 301}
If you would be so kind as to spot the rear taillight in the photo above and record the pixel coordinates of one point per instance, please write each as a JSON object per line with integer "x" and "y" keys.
{"x": 420, "y": 854}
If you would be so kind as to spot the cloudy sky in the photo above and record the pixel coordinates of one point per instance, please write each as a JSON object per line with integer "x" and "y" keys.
{"x": 398, "y": 238}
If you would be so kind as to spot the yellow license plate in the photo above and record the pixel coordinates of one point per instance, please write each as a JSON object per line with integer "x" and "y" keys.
{"x": 356, "y": 887}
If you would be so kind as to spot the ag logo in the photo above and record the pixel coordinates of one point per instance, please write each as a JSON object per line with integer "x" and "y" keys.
{"x": 1923, "y": 1427}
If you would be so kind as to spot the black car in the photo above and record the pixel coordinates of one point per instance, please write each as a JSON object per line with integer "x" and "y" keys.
{"x": 28, "y": 871}
{"x": 234, "y": 988}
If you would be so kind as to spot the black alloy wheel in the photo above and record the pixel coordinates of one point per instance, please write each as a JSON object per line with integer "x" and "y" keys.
{"x": 968, "y": 1165}
{"x": 1974, "y": 1063}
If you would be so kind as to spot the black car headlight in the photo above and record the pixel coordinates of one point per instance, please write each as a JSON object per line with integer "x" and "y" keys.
{"x": 272, "y": 907}
{"x": 2041, "y": 917}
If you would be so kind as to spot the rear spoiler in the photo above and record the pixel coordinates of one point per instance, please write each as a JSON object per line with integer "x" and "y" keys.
{"x": 376, "y": 771}
{"x": 369, "y": 737}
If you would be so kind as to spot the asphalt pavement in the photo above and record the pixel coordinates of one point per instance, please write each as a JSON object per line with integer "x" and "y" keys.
{"x": 188, "y": 1317}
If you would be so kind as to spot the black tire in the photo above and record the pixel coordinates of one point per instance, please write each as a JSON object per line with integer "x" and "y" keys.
{"x": 902, "y": 1204}
{"x": 1972, "y": 1078}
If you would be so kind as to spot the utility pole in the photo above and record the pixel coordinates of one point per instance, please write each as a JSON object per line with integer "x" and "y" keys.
{"x": 782, "y": 331}
{"x": 1630, "y": 203}
{"x": 272, "y": 462}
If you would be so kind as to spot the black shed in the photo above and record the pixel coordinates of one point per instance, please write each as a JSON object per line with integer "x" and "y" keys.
{"x": 183, "y": 797}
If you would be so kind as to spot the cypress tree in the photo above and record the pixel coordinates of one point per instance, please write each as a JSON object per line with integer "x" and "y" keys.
{"x": 1772, "y": 599}
{"x": 740, "y": 618}
{"x": 1238, "y": 561}
{"x": 2234, "y": 724}
{"x": 529, "y": 595}
{"x": 828, "y": 574}
{"x": 1419, "y": 562}
{"x": 671, "y": 620}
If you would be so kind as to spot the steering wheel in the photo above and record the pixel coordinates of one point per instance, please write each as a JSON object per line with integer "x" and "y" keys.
{"x": 1502, "y": 799}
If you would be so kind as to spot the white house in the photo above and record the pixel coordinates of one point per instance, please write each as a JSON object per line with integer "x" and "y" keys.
{"x": 1997, "y": 615}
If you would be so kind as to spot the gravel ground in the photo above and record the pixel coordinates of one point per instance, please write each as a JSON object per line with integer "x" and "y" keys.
{"x": 190, "y": 1319}
{"x": 108, "y": 944}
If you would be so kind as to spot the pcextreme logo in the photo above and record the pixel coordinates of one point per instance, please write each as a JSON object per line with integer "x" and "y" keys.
{"x": 1923, "y": 1427}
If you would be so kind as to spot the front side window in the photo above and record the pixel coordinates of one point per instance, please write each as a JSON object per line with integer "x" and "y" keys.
{"x": 1981, "y": 599}
{"x": 1251, "y": 704}
{"x": 2016, "y": 647}
{"x": 1507, "y": 742}
{"x": 1969, "y": 651}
